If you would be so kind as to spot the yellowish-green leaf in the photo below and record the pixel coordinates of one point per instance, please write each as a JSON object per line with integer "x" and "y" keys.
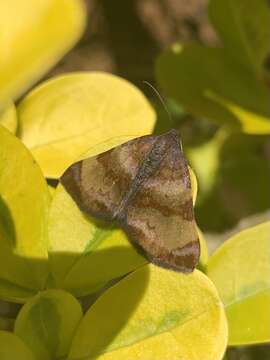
{"x": 205, "y": 159}
{"x": 34, "y": 36}
{"x": 47, "y": 323}
{"x": 204, "y": 251}
{"x": 24, "y": 203}
{"x": 154, "y": 314}
{"x": 252, "y": 123}
{"x": 11, "y": 292}
{"x": 240, "y": 269}
{"x": 245, "y": 36}
{"x": 13, "y": 348}
{"x": 64, "y": 117}
{"x": 8, "y": 118}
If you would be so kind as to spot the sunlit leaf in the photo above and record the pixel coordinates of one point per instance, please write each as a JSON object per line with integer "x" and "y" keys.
{"x": 175, "y": 317}
{"x": 8, "y": 118}
{"x": 204, "y": 251}
{"x": 51, "y": 190}
{"x": 34, "y": 36}
{"x": 13, "y": 348}
{"x": 24, "y": 202}
{"x": 194, "y": 185}
{"x": 240, "y": 269}
{"x": 245, "y": 36}
{"x": 47, "y": 323}
{"x": 64, "y": 117}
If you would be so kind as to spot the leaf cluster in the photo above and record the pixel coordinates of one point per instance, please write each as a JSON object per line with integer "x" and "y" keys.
{"x": 85, "y": 291}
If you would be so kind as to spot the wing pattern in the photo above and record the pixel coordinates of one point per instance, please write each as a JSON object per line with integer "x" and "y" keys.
{"x": 143, "y": 185}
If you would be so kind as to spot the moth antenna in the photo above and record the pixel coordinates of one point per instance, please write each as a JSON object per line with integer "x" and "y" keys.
{"x": 160, "y": 98}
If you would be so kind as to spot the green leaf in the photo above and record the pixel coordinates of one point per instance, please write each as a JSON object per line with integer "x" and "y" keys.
{"x": 34, "y": 36}
{"x": 240, "y": 269}
{"x": 208, "y": 83}
{"x": 13, "y": 348}
{"x": 24, "y": 203}
{"x": 239, "y": 157}
{"x": 244, "y": 29}
{"x": 154, "y": 314}
{"x": 47, "y": 323}
{"x": 64, "y": 117}
{"x": 251, "y": 122}
{"x": 8, "y": 118}
{"x": 205, "y": 160}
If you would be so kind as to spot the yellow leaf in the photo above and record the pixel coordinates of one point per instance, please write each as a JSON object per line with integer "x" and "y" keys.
{"x": 64, "y": 117}
{"x": 204, "y": 251}
{"x": 240, "y": 269}
{"x": 51, "y": 190}
{"x": 8, "y": 118}
{"x": 154, "y": 314}
{"x": 15, "y": 293}
{"x": 24, "y": 203}
{"x": 34, "y": 36}
{"x": 47, "y": 322}
{"x": 251, "y": 122}
{"x": 13, "y": 348}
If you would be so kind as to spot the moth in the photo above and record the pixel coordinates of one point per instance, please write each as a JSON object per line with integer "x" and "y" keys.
{"x": 144, "y": 186}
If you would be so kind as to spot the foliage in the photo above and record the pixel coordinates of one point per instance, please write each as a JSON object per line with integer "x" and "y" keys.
{"x": 170, "y": 316}
{"x": 24, "y": 205}
{"x": 35, "y": 35}
{"x": 224, "y": 84}
{"x": 54, "y": 259}
{"x": 103, "y": 98}
{"x": 227, "y": 84}
{"x": 244, "y": 286}
{"x": 47, "y": 323}
{"x": 74, "y": 255}
{"x": 8, "y": 118}
{"x": 12, "y": 347}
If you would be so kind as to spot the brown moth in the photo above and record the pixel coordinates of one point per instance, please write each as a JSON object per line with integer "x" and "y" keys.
{"x": 144, "y": 186}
